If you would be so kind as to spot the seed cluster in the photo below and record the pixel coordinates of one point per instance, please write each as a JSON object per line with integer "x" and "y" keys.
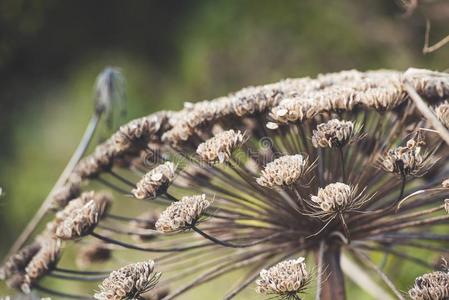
{"x": 287, "y": 277}
{"x": 220, "y": 147}
{"x": 333, "y": 197}
{"x": 442, "y": 112}
{"x": 155, "y": 182}
{"x": 283, "y": 171}
{"x": 405, "y": 161}
{"x": 42, "y": 262}
{"x": 129, "y": 282}
{"x": 431, "y": 286}
{"x": 80, "y": 216}
{"x": 334, "y": 133}
{"x": 183, "y": 213}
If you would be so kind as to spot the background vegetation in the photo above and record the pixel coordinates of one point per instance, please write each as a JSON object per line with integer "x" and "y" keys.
{"x": 171, "y": 52}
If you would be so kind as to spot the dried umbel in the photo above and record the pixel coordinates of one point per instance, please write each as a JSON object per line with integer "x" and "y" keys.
{"x": 180, "y": 215}
{"x": 220, "y": 147}
{"x": 129, "y": 282}
{"x": 80, "y": 217}
{"x": 409, "y": 160}
{"x": 155, "y": 182}
{"x": 283, "y": 171}
{"x": 41, "y": 263}
{"x": 334, "y": 133}
{"x": 442, "y": 112}
{"x": 334, "y": 197}
{"x": 255, "y": 227}
{"x": 431, "y": 286}
{"x": 288, "y": 279}
{"x": 18, "y": 262}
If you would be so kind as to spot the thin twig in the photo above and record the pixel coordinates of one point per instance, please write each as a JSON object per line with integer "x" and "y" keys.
{"x": 43, "y": 209}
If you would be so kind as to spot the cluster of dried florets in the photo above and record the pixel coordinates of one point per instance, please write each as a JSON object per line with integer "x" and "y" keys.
{"x": 283, "y": 171}
{"x": 407, "y": 160}
{"x": 180, "y": 215}
{"x": 334, "y": 197}
{"x": 431, "y": 286}
{"x": 287, "y": 207}
{"x": 129, "y": 282}
{"x": 80, "y": 216}
{"x": 334, "y": 133}
{"x": 289, "y": 277}
{"x": 220, "y": 147}
{"x": 155, "y": 182}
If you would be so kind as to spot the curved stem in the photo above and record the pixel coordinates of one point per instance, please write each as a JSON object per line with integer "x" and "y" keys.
{"x": 79, "y": 152}
{"x": 230, "y": 245}
{"x": 146, "y": 249}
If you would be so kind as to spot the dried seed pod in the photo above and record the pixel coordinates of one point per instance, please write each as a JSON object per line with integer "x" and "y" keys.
{"x": 283, "y": 171}
{"x": 80, "y": 216}
{"x": 17, "y": 262}
{"x": 334, "y": 133}
{"x": 155, "y": 182}
{"x": 431, "y": 286}
{"x": 407, "y": 160}
{"x": 41, "y": 263}
{"x": 129, "y": 282}
{"x": 287, "y": 278}
{"x": 220, "y": 147}
{"x": 97, "y": 252}
{"x": 179, "y": 215}
{"x": 334, "y": 197}
{"x": 442, "y": 112}
{"x": 99, "y": 161}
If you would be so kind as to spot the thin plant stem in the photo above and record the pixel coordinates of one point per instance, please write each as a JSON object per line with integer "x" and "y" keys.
{"x": 43, "y": 209}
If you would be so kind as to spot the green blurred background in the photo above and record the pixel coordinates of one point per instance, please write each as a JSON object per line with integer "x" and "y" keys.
{"x": 171, "y": 52}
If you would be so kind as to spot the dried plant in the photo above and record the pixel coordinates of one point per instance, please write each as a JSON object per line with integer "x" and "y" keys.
{"x": 349, "y": 163}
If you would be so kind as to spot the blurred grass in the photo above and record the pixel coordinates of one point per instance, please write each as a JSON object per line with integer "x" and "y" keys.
{"x": 215, "y": 47}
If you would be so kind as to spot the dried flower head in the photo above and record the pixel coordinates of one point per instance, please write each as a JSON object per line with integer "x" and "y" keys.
{"x": 97, "y": 252}
{"x": 442, "y": 112}
{"x": 407, "y": 160}
{"x": 129, "y": 282}
{"x": 334, "y": 133}
{"x": 155, "y": 182}
{"x": 220, "y": 147}
{"x": 17, "y": 262}
{"x": 287, "y": 278}
{"x": 80, "y": 217}
{"x": 180, "y": 215}
{"x": 334, "y": 197}
{"x": 431, "y": 286}
{"x": 445, "y": 183}
{"x": 41, "y": 263}
{"x": 283, "y": 171}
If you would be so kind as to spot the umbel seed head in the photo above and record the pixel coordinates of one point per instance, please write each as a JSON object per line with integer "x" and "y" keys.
{"x": 283, "y": 171}
{"x": 287, "y": 277}
{"x": 333, "y": 197}
{"x": 405, "y": 160}
{"x": 220, "y": 147}
{"x": 179, "y": 215}
{"x": 431, "y": 286}
{"x": 44, "y": 260}
{"x": 334, "y": 133}
{"x": 80, "y": 217}
{"x": 129, "y": 282}
{"x": 155, "y": 182}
